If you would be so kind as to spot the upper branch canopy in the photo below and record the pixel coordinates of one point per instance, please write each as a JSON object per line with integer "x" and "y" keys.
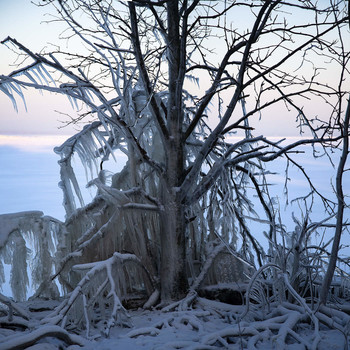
{"x": 205, "y": 59}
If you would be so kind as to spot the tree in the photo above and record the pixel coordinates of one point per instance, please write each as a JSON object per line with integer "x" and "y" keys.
{"x": 193, "y": 161}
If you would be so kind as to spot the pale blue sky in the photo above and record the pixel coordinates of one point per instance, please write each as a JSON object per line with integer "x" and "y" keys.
{"x": 25, "y": 22}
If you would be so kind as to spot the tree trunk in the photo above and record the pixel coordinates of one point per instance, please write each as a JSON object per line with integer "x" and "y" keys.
{"x": 173, "y": 279}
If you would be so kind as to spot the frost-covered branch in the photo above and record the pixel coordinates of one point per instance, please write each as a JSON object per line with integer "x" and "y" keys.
{"x": 340, "y": 207}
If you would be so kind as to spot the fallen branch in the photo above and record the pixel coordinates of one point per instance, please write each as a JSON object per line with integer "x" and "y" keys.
{"x": 28, "y": 339}
{"x": 186, "y": 302}
{"x": 12, "y": 306}
{"x": 16, "y": 322}
{"x": 176, "y": 319}
{"x": 182, "y": 304}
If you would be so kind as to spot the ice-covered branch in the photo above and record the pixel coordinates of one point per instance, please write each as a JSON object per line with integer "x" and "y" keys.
{"x": 143, "y": 73}
{"x": 27, "y": 340}
{"x": 122, "y": 199}
{"x": 89, "y": 281}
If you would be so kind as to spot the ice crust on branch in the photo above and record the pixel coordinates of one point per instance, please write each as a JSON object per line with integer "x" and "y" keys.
{"x": 18, "y": 233}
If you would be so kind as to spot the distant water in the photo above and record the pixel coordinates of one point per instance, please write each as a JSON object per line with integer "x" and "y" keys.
{"x": 30, "y": 173}
{"x": 29, "y": 176}
{"x": 29, "y": 181}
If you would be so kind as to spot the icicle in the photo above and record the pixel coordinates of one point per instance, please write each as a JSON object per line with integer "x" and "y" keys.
{"x": 7, "y": 90}
{"x": 47, "y": 73}
{"x": 2, "y": 271}
{"x": 19, "y": 278}
{"x": 28, "y": 75}
{"x": 65, "y": 185}
{"x": 17, "y": 88}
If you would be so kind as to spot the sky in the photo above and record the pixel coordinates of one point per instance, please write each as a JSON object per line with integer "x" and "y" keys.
{"x": 24, "y": 21}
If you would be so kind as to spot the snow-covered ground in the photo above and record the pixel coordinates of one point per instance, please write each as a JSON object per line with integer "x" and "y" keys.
{"x": 208, "y": 325}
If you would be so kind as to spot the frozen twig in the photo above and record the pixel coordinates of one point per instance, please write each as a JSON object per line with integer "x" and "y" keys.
{"x": 281, "y": 321}
{"x": 251, "y": 283}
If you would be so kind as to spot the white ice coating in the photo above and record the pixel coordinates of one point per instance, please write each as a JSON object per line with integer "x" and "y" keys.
{"x": 18, "y": 233}
{"x": 87, "y": 144}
